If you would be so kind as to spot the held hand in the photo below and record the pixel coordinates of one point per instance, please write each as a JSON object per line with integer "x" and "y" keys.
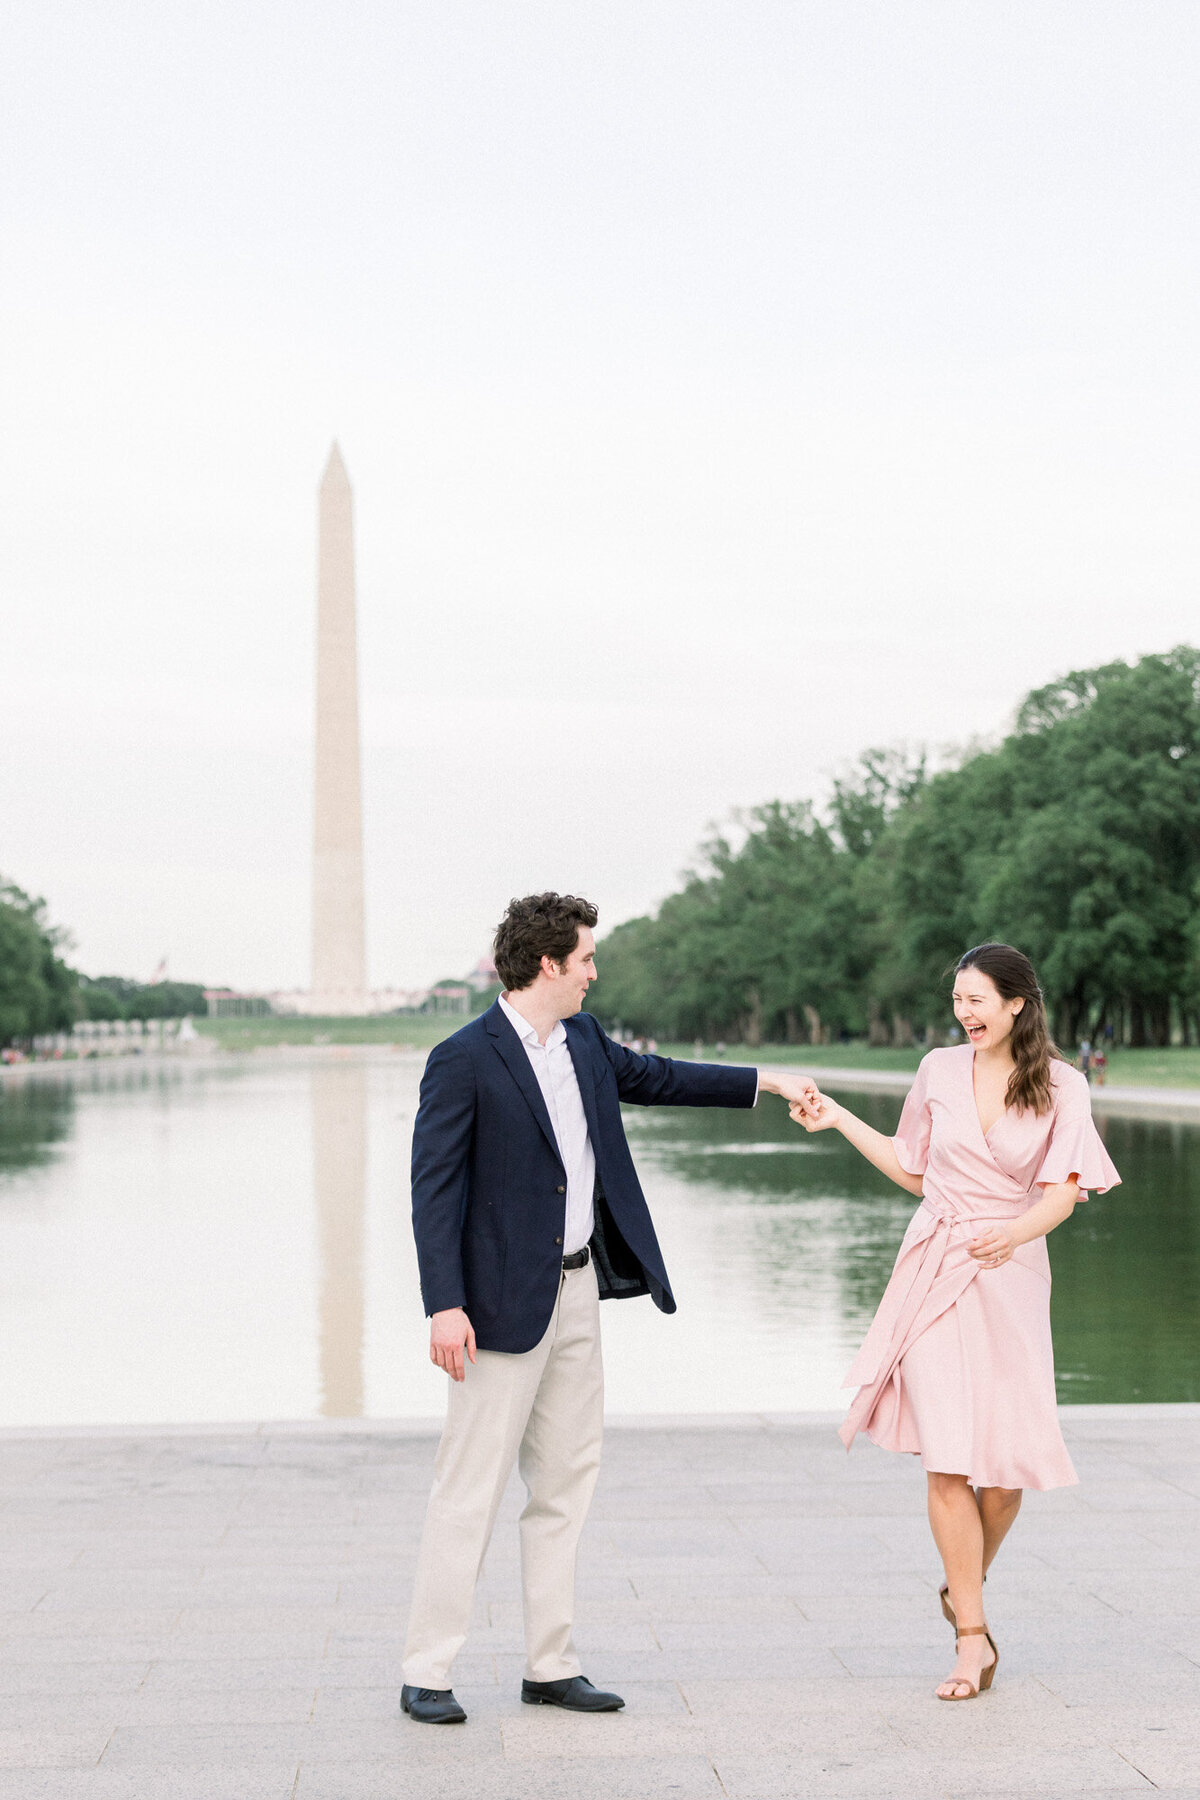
{"x": 797, "y": 1090}
{"x": 449, "y": 1331}
{"x": 818, "y": 1114}
{"x": 992, "y": 1248}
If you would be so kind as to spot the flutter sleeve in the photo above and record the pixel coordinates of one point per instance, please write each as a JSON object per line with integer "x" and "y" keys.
{"x": 1075, "y": 1151}
{"x": 911, "y": 1142}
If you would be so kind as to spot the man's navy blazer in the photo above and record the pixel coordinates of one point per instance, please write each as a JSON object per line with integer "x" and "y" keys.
{"x": 489, "y": 1187}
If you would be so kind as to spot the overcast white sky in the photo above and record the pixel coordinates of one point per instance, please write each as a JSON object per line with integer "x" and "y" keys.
{"x": 725, "y": 389}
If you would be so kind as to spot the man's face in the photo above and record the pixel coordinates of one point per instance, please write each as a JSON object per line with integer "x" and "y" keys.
{"x": 572, "y": 979}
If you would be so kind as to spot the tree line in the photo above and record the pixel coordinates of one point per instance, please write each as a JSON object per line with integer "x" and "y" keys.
{"x": 1076, "y": 838}
{"x": 41, "y": 993}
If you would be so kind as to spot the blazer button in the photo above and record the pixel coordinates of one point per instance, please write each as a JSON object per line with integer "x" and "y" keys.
{"x": 558, "y": 1240}
{"x": 560, "y": 1189}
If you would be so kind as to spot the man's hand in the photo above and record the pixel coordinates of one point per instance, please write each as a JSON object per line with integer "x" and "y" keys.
{"x": 449, "y": 1332}
{"x": 797, "y": 1090}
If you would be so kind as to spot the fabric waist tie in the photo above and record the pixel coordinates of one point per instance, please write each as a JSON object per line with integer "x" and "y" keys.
{"x": 914, "y": 1299}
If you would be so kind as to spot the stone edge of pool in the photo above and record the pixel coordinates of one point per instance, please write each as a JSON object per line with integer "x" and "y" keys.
{"x": 1073, "y": 1417}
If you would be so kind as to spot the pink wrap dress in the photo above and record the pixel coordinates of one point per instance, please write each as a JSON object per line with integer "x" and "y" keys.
{"x": 958, "y": 1366}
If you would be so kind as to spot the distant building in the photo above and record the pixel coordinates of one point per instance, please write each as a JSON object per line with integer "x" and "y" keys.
{"x": 226, "y": 1003}
{"x": 482, "y": 976}
{"x": 398, "y": 1000}
{"x": 301, "y": 1003}
{"x": 448, "y": 997}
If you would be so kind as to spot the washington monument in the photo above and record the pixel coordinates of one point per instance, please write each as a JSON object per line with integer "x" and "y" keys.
{"x": 339, "y": 966}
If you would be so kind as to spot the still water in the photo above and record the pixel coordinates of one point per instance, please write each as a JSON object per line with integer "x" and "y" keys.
{"x": 229, "y": 1239}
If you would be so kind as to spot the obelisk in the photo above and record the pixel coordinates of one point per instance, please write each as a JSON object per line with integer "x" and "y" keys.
{"x": 339, "y": 973}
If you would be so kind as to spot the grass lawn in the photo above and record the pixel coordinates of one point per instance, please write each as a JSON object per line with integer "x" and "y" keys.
{"x": 1177, "y": 1067}
{"x": 827, "y": 1056}
{"x": 414, "y": 1032}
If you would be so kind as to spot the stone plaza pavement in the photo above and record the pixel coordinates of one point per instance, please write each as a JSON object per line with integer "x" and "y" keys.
{"x": 215, "y": 1614}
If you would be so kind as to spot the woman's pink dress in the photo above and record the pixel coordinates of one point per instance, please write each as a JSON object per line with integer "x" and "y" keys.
{"x": 958, "y": 1366}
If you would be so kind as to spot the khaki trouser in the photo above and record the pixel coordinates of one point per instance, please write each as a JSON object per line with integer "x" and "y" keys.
{"x": 545, "y": 1410}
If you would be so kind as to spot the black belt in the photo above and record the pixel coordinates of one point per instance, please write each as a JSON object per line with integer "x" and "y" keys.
{"x": 580, "y": 1260}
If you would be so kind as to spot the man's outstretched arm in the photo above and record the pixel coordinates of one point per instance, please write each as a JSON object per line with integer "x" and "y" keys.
{"x": 649, "y": 1080}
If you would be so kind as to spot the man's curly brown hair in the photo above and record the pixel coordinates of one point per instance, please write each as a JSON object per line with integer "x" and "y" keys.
{"x": 539, "y": 925}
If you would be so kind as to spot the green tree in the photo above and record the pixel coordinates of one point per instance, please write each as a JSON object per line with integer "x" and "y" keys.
{"x": 761, "y": 942}
{"x": 1077, "y": 838}
{"x": 1102, "y": 872}
{"x": 117, "y": 997}
{"x": 38, "y": 992}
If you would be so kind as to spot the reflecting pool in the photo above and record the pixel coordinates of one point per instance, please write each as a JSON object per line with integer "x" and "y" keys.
{"x": 229, "y": 1239}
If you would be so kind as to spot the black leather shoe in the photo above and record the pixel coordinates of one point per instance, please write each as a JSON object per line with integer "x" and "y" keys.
{"x": 577, "y": 1695}
{"x": 432, "y": 1706}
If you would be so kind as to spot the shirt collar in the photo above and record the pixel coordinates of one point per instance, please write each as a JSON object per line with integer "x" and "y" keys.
{"x": 527, "y": 1032}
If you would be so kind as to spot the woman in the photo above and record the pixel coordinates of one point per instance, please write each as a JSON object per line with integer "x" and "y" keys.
{"x": 958, "y": 1367}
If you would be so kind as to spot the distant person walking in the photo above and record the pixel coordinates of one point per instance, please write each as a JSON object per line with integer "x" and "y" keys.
{"x": 997, "y": 1137}
{"x": 527, "y": 1212}
{"x": 1085, "y": 1059}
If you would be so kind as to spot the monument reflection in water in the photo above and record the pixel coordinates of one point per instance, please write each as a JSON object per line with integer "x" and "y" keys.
{"x": 339, "y": 1141}
{"x": 230, "y": 1239}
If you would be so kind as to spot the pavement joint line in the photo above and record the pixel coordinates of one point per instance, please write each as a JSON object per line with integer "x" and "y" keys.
{"x": 771, "y": 1424}
{"x": 1134, "y": 1767}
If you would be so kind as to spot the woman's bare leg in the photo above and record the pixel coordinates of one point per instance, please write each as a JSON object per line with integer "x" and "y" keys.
{"x": 957, "y": 1524}
{"x": 998, "y": 1508}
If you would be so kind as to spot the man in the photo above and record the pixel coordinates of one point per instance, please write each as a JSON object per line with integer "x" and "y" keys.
{"x": 527, "y": 1211}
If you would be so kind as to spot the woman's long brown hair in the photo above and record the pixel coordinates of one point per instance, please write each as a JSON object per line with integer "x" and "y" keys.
{"x": 1033, "y": 1049}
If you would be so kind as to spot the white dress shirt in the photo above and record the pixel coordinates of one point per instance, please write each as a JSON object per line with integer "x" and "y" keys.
{"x": 551, "y": 1063}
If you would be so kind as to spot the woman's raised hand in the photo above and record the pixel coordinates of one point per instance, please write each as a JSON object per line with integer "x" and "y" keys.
{"x": 817, "y": 1112}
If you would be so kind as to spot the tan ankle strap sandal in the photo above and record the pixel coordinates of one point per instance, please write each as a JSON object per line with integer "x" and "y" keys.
{"x": 985, "y": 1677}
